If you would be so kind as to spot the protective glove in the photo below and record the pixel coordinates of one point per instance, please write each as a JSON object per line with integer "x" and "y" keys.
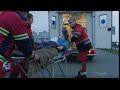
{"x": 6, "y": 66}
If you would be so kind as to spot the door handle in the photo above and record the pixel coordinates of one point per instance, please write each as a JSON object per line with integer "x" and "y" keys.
{"x": 109, "y": 29}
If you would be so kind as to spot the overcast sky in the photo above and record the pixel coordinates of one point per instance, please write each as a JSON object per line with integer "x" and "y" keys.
{"x": 41, "y": 20}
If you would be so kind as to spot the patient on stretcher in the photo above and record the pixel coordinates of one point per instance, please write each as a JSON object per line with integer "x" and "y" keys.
{"x": 54, "y": 42}
{"x": 48, "y": 49}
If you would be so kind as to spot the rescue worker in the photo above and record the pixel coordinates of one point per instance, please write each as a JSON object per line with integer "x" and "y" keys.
{"x": 25, "y": 64}
{"x": 83, "y": 44}
{"x": 14, "y": 31}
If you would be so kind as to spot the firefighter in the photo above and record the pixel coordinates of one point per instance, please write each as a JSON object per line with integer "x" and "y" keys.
{"x": 83, "y": 44}
{"x": 14, "y": 31}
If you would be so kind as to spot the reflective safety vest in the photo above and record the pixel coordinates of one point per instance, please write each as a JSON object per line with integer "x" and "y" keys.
{"x": 13, "y": 30}
{"x": 81, "y": 38}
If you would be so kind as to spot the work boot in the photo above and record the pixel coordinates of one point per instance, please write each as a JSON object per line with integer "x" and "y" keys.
{"x": 80, "y": 76}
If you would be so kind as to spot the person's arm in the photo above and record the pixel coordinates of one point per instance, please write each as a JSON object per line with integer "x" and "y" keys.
{"x": 66, "y": 34}
{"x": 76, "y": 34}
{"x": 73, "y": 39}
{"x": 20, "y": 35}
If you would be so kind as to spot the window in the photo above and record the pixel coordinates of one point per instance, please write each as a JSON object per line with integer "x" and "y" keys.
{"x": 53, "y": 23}
{"x": 103, "y": 20}
{"x": 113, "y": 30}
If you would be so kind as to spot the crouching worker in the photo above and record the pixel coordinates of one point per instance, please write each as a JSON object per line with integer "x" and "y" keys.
{"x": 14, "y": 31}
{"x": 24, "y": 64}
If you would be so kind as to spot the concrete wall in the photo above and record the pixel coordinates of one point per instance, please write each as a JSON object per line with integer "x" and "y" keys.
{"x": 53, "y": 32}
{"x": 89, "y": 26}
{"x": 115, "y": 22}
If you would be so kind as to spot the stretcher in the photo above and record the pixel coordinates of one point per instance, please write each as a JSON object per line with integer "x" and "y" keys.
{"x": 50, "y": 68}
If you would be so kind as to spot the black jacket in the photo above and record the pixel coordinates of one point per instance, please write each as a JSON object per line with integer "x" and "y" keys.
{"x": 65, "y": 34}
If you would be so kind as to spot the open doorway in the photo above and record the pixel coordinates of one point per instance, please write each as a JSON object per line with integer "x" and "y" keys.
{"x": 80, "y": 19}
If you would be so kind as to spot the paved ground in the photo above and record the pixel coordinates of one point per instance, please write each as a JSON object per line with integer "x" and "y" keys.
{"x": 104, "y": 65}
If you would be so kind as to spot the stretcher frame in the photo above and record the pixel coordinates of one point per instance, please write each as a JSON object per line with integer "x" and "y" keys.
{"x": 51, "y": 64}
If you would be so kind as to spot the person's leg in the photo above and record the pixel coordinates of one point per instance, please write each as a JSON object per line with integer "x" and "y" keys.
{"x": 1, "y": 70}
{"x": 82, "y": 56}
{"x": 7, "y": 74}
{"x": 14, "y": 72}
{"x": 82, "y": 72}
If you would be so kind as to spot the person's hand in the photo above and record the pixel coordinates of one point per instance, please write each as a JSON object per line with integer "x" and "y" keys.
{"x": 6, "y": 66}
{"x": 36, "y": 59}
